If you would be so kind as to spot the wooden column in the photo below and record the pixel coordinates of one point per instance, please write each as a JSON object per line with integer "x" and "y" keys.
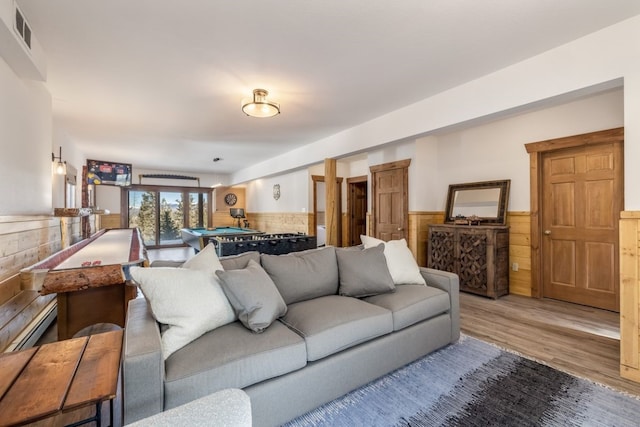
{"x": 630, "y": 295}
{"x": 332, "y": 220}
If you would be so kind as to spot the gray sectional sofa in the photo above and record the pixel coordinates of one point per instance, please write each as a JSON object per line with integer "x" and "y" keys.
{"x": 327, "y": 343}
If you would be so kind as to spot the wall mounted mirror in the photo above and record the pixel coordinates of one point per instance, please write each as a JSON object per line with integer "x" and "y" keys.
{"x": 486, "y": 200}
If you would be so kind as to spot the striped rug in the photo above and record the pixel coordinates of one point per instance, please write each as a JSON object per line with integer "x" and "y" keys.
{"x": 473, "y": 383}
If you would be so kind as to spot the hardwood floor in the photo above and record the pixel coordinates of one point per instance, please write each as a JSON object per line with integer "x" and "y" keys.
{"x": 580, "y": 340}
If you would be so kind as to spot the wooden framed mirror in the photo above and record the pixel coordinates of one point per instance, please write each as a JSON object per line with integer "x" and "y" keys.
{"x": 485, "y": 200}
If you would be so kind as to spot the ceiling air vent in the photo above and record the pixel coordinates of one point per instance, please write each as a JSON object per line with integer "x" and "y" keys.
{"x": 22, "y": 27}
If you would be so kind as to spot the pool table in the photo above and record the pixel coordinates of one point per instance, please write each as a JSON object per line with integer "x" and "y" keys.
{"x": 198, "y": 238}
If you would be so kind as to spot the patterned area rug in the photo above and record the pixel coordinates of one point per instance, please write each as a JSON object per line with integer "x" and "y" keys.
{"x": 473, "y": 383}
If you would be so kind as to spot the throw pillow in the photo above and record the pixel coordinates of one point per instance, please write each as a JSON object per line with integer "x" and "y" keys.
{"x": 190, "y": 302}
{"x": 402, "y": 265}
{"x": 235, "y": 262}
{"x": 253, "y": 295}
{"x": 305, "y": 275}
{"x": 363, "y": 273}
{"x": 206, "y": 259}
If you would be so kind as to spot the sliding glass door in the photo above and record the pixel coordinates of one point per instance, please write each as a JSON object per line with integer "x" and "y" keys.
{"x": 160, "y": 212}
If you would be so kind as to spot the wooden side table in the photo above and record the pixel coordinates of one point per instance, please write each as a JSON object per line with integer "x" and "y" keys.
{"x": 47, "y": 381}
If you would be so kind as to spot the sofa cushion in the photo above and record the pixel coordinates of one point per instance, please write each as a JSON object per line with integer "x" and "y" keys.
{"x": 363, "y": 272}
{"x": 333, "y": 323}
{"x": 304, "y": 275}
{"x": 253, "y": 295}
{"x": 235, "y": 262}
{"x": 190, "y": 302}
{"x": 411, "y": 304}
{"x": 402, "y": 265}
{"x": 231, "y": 357}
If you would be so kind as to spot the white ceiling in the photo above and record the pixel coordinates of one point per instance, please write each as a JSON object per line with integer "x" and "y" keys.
{"x": 159, "y": 82}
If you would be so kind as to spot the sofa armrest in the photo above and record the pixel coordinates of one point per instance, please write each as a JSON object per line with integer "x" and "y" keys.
{"x": 143, "y": 364}
{"x": 450, "y": 283}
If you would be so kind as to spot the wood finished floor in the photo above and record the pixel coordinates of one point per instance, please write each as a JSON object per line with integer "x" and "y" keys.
{"x": 580, "y": 340}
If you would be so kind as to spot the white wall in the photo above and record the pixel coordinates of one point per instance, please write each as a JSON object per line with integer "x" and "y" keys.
{"x": 294, "y": 193}
{"x": 596, "y": 62}
{"x": 25, "y": 140}
{"x": 496, "y": 150}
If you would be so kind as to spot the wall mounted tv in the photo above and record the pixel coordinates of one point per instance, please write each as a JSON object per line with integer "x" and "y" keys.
{"x": 108, "y": 173}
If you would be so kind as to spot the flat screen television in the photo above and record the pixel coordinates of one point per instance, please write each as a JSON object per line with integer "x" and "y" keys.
{"x": 237, "y": 212}
{"x": 108, "y": 173}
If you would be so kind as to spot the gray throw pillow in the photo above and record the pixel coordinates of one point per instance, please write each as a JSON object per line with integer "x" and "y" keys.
{"x": 305, "y": 275}
{"x": 364, "y": 272}
{"x": 254, "y": 297}
{"x": 235, "y": 262}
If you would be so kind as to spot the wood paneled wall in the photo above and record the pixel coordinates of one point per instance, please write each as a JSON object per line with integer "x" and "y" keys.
{"x": 109, "y": 221}
{"x": 419, "y": 233}
{"x": 24, "y": 241}
{"x": 281, "y": 222}
{"x": 630, "y": 295}
{"x": 520, "y": 252}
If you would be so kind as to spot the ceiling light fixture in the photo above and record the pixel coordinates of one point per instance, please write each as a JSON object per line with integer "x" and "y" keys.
{"x": 61, "y": 167}
{"x": 259, "y": 106}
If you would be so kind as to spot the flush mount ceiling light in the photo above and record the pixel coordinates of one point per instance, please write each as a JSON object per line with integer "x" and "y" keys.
{"x": 259, "y": 106}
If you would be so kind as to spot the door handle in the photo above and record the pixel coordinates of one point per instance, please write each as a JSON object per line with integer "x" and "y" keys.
{"x": 399, "y": 228}
{"x": 547, "y": 232}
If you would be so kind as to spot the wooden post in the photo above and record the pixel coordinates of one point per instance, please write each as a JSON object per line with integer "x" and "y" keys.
{"x": 332, "y": 214}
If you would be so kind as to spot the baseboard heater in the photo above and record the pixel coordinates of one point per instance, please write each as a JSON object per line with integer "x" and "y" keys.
{"x": 34, "y": 330}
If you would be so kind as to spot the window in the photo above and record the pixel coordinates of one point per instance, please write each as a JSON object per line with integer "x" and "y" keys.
{"x": 160, "y": 212}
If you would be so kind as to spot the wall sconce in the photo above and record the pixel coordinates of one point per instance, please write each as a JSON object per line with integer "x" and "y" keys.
{"x": 60, "y": 168}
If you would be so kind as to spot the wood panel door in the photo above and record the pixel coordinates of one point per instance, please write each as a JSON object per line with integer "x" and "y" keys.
{"x": 390, "y": 200}
{"x": 582, "y": 197}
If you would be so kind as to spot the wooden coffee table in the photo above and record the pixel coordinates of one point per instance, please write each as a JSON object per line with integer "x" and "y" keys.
{"x": 57, "y": 378}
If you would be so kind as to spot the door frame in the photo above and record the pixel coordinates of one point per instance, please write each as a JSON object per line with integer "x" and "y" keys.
{"x": 320, "y": 178}
{"x": 357, "y": 180}
{"x": 536, "y": 151}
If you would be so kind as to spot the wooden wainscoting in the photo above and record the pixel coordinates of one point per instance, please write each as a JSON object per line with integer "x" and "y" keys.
{"x": 24, "y": 240}
{"x": 111, "y": 220}
{"x": 419, "y": 233}
{"x": 281, "y": 222}
{"x": 630, "y": 295}
{"x": 519, "y": 252}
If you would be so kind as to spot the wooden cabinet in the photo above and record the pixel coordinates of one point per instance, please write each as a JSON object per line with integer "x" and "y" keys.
{"x": 479, "y": 255}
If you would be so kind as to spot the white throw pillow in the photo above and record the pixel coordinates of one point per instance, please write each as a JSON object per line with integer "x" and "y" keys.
{"x": 207, "y": 260}
{"x": 402, "y": 265}
{"x": 189, "y": 300}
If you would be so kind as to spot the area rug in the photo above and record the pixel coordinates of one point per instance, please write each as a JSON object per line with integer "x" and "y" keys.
{"x": 473, "y": 383}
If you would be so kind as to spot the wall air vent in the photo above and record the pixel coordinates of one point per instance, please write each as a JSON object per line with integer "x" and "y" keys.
{"x": 19, "y": 46}
{"x": 22, "y": 27}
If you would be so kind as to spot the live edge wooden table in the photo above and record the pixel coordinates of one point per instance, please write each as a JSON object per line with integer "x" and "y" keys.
{"x": 90, "y": 279}
{"x": 55, "y": 379}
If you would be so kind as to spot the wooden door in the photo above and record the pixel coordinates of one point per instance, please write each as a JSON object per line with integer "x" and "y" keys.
{"x": 582, "y": 197}
{"x": 390, "y": 200}
{"x": 357, "y": 204}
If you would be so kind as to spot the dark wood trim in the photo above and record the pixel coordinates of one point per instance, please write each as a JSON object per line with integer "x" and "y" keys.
{"x": 391, "y": 165}
{"x": 600, "y": 137}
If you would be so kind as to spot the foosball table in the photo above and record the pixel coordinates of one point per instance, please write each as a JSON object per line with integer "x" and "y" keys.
{"x": 274, "y": 244}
